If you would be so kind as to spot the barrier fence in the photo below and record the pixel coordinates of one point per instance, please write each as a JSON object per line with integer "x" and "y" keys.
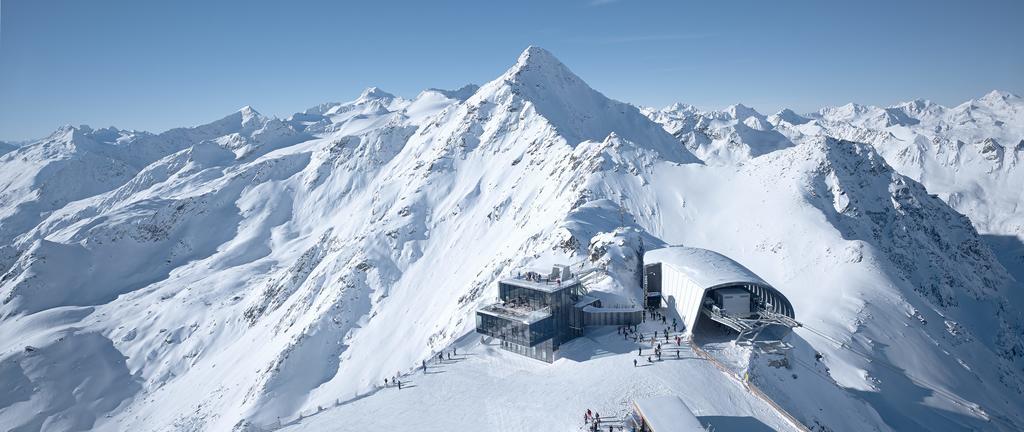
{"x": 753, "y": 389}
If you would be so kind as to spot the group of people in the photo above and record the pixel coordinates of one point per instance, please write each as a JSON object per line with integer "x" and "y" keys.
{"x": 656, "y": 315}
{"x": 394, "y": 382}
{"x": 632, "y": 332}
{"x": 536, "y": 277}
{"x": 593, "y": 420}
{"x": 629, "y": 331}
{"x": 441, "y": 356}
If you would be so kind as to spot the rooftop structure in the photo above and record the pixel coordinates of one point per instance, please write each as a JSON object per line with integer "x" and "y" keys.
{"x": 696, "y": 282}
{"x": 546, "y": 284}
{"x": 526, "y": 315}
{"x": 537, "y": 313}
{"x": 704, "y": 267}
{"x": 663, "y": 414}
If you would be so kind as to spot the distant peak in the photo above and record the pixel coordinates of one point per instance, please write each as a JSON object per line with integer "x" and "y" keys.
{"x": 461, "y": 94}
{"x": 741, "y": 112}
{"x": 374, "y": 93}
{"x": 917, "y": 103}
{"x": 789, "y": 116}
{"x": 998, "y": 96}
{"x": 249, "y": 112}
{"x": 680, "y": 107}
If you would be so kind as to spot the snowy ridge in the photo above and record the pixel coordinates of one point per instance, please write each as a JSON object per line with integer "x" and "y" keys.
{"x": 235, "y": 274}
{"x": 967, "y": 154}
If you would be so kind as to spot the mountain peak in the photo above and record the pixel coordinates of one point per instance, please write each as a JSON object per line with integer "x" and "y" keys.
{"x": 249, "y": 113}
{"x": 574, "y": 109}
{"x": 679, "y": 107}
{"x": 537, "y": 65}
{"x": 789, "y": 116}
{"x": 374, "y": 93}
{"x": 537, "y": 56}
{"x": 461, "y": 94}
{"x": 742, "y": 112}
{"x": 998, "y": 96}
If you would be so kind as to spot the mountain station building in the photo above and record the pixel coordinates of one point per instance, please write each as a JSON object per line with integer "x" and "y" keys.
{"x": 538, "y": 313}
{"x": 698, "y": 282}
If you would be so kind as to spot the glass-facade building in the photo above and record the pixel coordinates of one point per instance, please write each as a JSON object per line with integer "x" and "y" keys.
{"x": 534, "y": 317}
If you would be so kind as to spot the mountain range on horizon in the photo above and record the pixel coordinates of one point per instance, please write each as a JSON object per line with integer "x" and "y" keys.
{"x": 257, "y": 273}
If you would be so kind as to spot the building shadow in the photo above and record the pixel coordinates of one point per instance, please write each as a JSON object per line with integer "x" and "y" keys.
{"x": 597, "y": 342}
{"x": 734, "y": 424}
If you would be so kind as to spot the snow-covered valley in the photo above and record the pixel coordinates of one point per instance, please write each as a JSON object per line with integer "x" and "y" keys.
{"x": 239, "y": 274}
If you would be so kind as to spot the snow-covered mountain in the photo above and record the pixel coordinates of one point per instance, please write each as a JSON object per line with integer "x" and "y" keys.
{"x": 967, "y": 154}
{"x": 234, "y": 274}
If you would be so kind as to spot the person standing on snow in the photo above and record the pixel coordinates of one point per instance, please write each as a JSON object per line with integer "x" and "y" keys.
{"x": 634, "y": 362}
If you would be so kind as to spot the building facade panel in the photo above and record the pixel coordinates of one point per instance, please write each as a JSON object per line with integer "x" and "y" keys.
{"x": 688, "y": 275}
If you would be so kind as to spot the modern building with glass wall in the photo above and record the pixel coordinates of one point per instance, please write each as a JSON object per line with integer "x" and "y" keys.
{"x": 538, "y": 313}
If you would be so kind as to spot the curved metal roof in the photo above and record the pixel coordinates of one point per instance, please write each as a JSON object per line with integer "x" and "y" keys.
{"x": 707, "y": 269}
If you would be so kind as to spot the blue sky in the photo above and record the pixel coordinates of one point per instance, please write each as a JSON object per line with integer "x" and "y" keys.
{"x": 156, "y": 65}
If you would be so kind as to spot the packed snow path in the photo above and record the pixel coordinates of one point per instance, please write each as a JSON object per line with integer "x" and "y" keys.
{"x": 486, "y": 388}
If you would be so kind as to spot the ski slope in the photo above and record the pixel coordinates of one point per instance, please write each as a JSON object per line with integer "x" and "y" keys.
{"x": 486, "y": 388}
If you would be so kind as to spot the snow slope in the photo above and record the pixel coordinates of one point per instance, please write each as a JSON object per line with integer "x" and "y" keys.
{"x": 248, "y": 270}
{"x": 597, "y": 374}
{"x": 967, "y": 154}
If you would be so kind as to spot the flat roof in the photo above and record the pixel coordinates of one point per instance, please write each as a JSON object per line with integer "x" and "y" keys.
{"x": 668, "y": 414}
{"x": 708, "y": 269}
{"x": 521, "y": 314}
{"x": 551, "y": 286}
{"x": 586, "y": 300}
